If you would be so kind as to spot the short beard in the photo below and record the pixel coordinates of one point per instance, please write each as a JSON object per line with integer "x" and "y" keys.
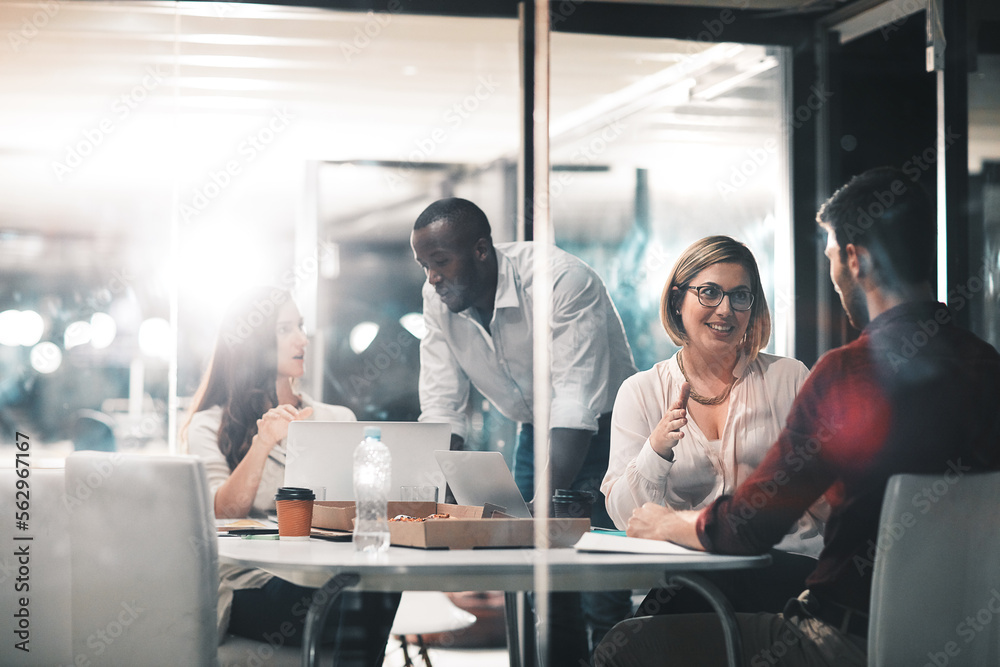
{"x": 856, "y": 307}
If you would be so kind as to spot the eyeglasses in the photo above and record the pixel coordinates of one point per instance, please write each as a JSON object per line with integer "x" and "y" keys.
{"x": 710, "y": 296}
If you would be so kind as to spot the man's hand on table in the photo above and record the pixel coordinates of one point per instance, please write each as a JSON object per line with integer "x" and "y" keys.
{"x": 657, "y": 522}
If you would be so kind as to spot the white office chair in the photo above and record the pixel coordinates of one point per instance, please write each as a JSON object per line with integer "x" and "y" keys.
{"x": 145, "y": 562}
{"x": 145, "y": 573}
{"x": 45, "y": 581}
{"x": 936, "y": 587}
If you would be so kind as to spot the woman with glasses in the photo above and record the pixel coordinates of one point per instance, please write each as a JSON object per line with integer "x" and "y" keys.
{"x": 696, "y": 425}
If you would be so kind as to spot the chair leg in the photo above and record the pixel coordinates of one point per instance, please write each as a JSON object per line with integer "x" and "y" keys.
{"x": 423, "y": 651}
{"x": 406, "y": 652}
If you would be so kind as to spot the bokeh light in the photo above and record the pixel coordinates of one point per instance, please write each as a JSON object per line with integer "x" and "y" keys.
{"x": 102, "y": 330}
{"x": 46, "y": 357}
{"x": 21, "y": 327}
{"x": 414, "y": 323}
{"x": 77, "y": 333}
{"x": 362, "y": 336}
{"x": 155, "y": 338}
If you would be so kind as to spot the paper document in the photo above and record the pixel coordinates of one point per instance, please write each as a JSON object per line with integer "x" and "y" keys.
{"x": 633, "y": 545}
{"x": 244, "y": 525}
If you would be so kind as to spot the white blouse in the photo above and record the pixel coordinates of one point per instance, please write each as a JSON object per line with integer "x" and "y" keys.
{"x": 703, "y": 469}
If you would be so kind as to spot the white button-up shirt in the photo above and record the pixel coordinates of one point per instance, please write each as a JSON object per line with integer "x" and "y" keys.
{"x": 590, "y": 356}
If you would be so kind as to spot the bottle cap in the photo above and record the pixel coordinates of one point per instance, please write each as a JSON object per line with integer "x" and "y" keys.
{"x": 373, "y": 432}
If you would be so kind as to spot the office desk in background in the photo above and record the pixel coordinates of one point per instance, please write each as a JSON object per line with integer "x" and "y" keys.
{"x": 334, "y": 566}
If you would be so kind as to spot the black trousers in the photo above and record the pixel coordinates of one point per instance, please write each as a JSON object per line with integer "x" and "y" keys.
{"x": 357, "y": 626}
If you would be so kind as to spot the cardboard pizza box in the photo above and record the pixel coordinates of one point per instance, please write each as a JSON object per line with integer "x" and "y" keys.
{"x": 468, "y": 527}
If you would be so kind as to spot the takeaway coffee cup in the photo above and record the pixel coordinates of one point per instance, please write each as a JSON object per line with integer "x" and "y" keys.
{"x": 569, "y": 504}
{"x": 295, "y": 510}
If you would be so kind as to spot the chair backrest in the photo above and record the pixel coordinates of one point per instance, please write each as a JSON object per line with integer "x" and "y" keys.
{"x": 144, "y": 561}
{"x": 936, "y": 587}
{"x": 34, "y": 569}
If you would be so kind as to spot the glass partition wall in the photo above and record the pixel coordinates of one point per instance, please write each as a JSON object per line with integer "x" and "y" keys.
{"x": 159, "y": 157}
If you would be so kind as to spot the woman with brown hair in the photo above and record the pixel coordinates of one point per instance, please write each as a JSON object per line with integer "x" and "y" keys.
{"x": 696, "y": 425}
{"x": 238, "y": 424}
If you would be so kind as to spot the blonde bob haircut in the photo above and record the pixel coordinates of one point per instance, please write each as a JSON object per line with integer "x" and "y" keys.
{"x": 696, "y": 258}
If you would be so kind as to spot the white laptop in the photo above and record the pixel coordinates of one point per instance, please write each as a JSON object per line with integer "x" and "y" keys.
{"x": 321, "y": 453}
{"x": 477, "y": 478}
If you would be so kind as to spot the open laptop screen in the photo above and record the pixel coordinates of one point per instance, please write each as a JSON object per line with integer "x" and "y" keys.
{"x": 321, "y": 453}
{"x": 477, "y": 478}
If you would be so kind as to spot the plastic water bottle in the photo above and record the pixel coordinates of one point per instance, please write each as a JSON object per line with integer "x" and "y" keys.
{"x": 371, "y": 493}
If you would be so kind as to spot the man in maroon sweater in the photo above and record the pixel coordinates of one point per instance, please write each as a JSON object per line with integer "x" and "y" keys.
{"x": 913, "y": 394}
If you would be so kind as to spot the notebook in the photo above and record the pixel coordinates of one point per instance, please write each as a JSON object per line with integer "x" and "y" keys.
{"x": 477, "y": 478}
{"x": 321, "y": 454}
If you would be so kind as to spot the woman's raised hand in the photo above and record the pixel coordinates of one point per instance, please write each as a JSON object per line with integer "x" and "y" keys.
{"x": 668, "y": 431}
{"x": 273, "y": 426}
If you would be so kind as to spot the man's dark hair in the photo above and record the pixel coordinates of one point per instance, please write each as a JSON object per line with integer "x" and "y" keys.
{"x": 461, "y": 214}
{"x": 889, "y": 214}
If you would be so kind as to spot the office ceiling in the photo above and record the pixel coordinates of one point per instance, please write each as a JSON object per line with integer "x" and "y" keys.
{"x": 117, "y": 117}
{"x": 125, "y": 126}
